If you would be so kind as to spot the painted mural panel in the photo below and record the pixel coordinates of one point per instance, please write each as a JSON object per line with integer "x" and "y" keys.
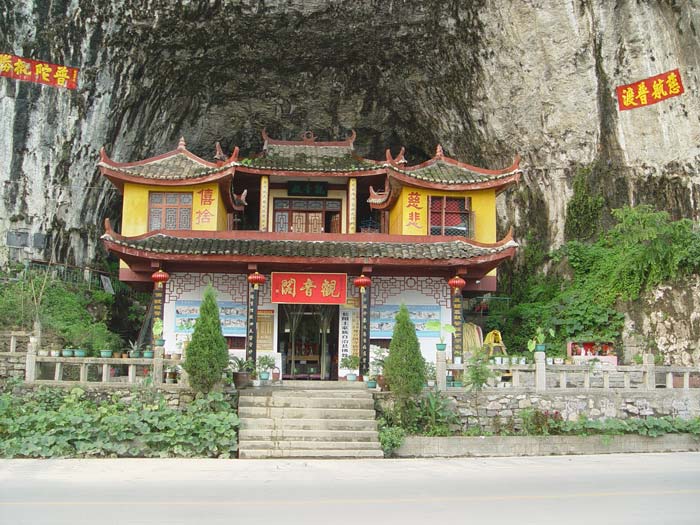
{"x": 231, "y": 315}
{"x": 383, "y": 318}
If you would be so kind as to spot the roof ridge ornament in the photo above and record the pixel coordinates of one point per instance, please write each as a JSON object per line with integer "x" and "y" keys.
{"x": 439, "y": 152}
{"x": 182, "y": 145}
{"x": 308, "y": 137}
{"x": 219, "y": 153}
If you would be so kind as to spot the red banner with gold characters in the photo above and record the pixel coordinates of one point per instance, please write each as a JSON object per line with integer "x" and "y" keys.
{"x": 30, "y": 70}
{"x": 650, "y": 90}
{"x": 309, "y": 288}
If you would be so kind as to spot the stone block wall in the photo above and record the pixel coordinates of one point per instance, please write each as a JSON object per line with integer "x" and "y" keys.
{"x": 12, "y": 364}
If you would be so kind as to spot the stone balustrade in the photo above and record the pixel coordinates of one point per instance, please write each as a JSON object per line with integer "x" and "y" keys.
{"x": 542, "y": 376}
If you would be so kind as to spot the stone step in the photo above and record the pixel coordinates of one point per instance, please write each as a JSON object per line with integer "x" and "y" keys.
{"x": 288, "y": 434}
{"x": 281, "y": 392}
{"x": 325, "y": 453}
{"x": 305, "y": 402}
{"x": 308, "y": 424}
{"x": 309, "y": 445}
{"x": 325, "y": 385}
{"x": 305, "y": 413}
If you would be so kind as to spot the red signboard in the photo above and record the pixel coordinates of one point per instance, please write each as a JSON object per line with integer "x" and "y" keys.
{"x": 30, "y": 70}
{"x": 309, "y": 288}
{"x": 650, "y": 90}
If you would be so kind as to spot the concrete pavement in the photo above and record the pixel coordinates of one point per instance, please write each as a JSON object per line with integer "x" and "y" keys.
{"x": 635, "y": 489}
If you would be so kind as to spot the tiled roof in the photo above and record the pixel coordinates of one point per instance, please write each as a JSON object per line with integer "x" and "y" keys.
{"x": 175, "y": 167}
{"x": 442, "y": 172}
{"x": 166, "y": 244}
{"x": 309, "y": 158}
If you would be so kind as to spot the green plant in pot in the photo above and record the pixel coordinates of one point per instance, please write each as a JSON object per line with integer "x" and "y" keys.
{"x": 537, "y": 342}
{"x": 134, "y": 349}
{"x": 241, "y": 371}
{"x": 157, "y": 331}
{"x": 350, "y": 362}
{"x": 434, "y": 325}
{"x": 265, "y": 364}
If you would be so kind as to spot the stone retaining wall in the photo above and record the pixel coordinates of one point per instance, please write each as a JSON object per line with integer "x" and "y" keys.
{"x": 490, "y": 446}
{"x": 12, "y": 364}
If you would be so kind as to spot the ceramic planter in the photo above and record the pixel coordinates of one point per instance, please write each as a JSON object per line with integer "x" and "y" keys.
{"x": 265, "y": 376}
{"x": 80, "y": 352}
{"x": 105, "y": 353}
{"x": 148, "y": 354}
{"x": 441, "y": 346}
{"x": 67, "y": 352}
{"x": 540, "y": 348}
{"x": 351, "y": 377}
{"x": 159, "y": 342}
{"x": 371, "y": 383}
{"x": 55, "y": 353}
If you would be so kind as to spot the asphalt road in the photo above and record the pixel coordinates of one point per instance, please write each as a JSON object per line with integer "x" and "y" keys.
{"x": 600, "y": 490}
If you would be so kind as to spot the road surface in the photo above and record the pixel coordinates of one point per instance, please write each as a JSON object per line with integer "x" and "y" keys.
{"x": 607, "y": 489}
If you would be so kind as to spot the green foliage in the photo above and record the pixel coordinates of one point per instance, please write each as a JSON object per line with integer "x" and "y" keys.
{"x": 435, "y": 415}
{"x": 434, "y": 325}
{"x": 583, "y": 210}
{"x": 350, "y": 362}
{"x": 54, "y": 423}
{"x": 266, "y": 362}
{"x": 404, "y": 367}
{"x": 207, "y": 353}
{"x": 390, "y": 438}
{"x": 644, "y": 249}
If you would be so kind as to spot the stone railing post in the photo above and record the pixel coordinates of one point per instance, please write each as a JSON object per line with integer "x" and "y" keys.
{"x": 649, "y": 371}
{"x": 13, "y": 343}
{"x": 30, "y": 369}
{"x": 157, "y": 369}
{"x": 441, "y": 370}
{"x": 540, "y": 372}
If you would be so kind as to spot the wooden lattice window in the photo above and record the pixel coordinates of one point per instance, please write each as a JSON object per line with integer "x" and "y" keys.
{"x": 451, "y": 216}
{"x": 169, "y": 211}
{"x": 307, "y": 215}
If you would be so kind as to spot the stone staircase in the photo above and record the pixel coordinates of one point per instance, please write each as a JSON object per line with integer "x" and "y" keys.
{"x": 308, "y": 419}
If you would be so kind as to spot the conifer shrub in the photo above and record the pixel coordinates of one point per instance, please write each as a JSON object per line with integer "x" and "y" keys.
{"x": 207, "y": 353}
{"x": 404, "y": 367}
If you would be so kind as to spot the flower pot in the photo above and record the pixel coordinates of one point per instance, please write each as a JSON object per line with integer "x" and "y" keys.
{"x": 558, "y": 360}
{"x": 441, "y": 346}
{"x": 265, "y": 376}
{"x": 159, "y": 342}
{"x": 256, "y": 382}
{"x": 125, "y": 355}
{"x": 134, "y": 354}
{"x": 80, "y": 352}
{"x": 540, "y": 348}
{"x": 240, "y": 379}
{"x": 351, "y": 377}
{"x": 148, "y": 354}
{"x": 275, "y": 374}
{"x": 67, "y": 352}
{"x": 42, "y": 353}
{"x": 458, "y": 384}
{"x": 105, "y": 353}
{"x": 55, "y": 353}
{"x": 458, "y": 359}
{"x": 549, "y": 360}
{"x": 371, "y": 383}
{"x": 431, "y": 383}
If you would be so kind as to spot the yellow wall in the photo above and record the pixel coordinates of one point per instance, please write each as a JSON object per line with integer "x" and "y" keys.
{"x": 135, "y": 207}
{"x": 411, "y": 215}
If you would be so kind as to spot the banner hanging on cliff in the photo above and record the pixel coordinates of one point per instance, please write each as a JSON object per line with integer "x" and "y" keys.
{"x": 650, "y": 90}
{"x": 28, "y": 70}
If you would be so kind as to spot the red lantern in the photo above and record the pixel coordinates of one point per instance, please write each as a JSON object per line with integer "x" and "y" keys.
{"x": 256, "y": 279}
{"x": 457, "y": 283}
{"x": 362, "y": 282}
{"x": 160, "y": 278}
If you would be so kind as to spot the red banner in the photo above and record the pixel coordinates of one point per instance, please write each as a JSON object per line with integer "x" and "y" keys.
{"x": 29, "y": 70}
{"x": 309, "y": 288}
{"x": 650, "y": 90}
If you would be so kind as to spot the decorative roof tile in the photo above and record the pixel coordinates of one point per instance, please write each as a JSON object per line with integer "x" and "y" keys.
{"x": 168, "y": 244}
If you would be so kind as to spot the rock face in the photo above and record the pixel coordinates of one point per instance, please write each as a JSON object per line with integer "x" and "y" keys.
{"x": 486, "y": 79}
{"x": 669, "y": 316}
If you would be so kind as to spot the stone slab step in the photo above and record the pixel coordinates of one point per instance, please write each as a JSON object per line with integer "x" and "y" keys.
{"x": 308, "y": 424}
{"x": 258, "y": 434}
{"x": 338, "y": 454}
{"x": 305, "y": 413}
{"x": 308, "y": 445}
{"x": 281, "y": 392}
{"x": 326, "y": 385}
{"x": 305, "y": 402}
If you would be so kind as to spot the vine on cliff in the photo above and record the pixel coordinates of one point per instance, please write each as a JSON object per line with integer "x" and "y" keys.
{"x": 583, "y": 210}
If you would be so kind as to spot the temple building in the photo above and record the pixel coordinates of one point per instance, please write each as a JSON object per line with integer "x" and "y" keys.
{"x": 310, "y": 248}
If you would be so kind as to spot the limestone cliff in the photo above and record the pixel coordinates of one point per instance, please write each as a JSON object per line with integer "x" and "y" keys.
{"x": 486, "y": 79}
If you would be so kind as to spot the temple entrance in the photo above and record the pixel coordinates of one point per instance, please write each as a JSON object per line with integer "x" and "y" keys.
{"x": 308, "y": 341}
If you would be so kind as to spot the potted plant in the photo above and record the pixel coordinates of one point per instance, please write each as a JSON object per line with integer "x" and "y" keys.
{"x": 67, "y": 352}
{"x": 157, "y": 331}
{"x": 434, "y": 325}
{"x": 265, "y": 364}
{"x": 350, "y": 362}
{"x": 241, "y": 371}
{"x": 134, "y": 349}
{"x": 171, "y": 373}
{"x": 148, "y": 352}
{"x": 537, "y": 342}
{"x": 378, "y": 354}
{"x": 430, "y": 373}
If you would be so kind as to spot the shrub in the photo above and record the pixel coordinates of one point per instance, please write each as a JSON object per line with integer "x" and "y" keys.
{"x": 404, "y": 367}
{"x": 391, "y": 438}
{"x": 207, "y": 353}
